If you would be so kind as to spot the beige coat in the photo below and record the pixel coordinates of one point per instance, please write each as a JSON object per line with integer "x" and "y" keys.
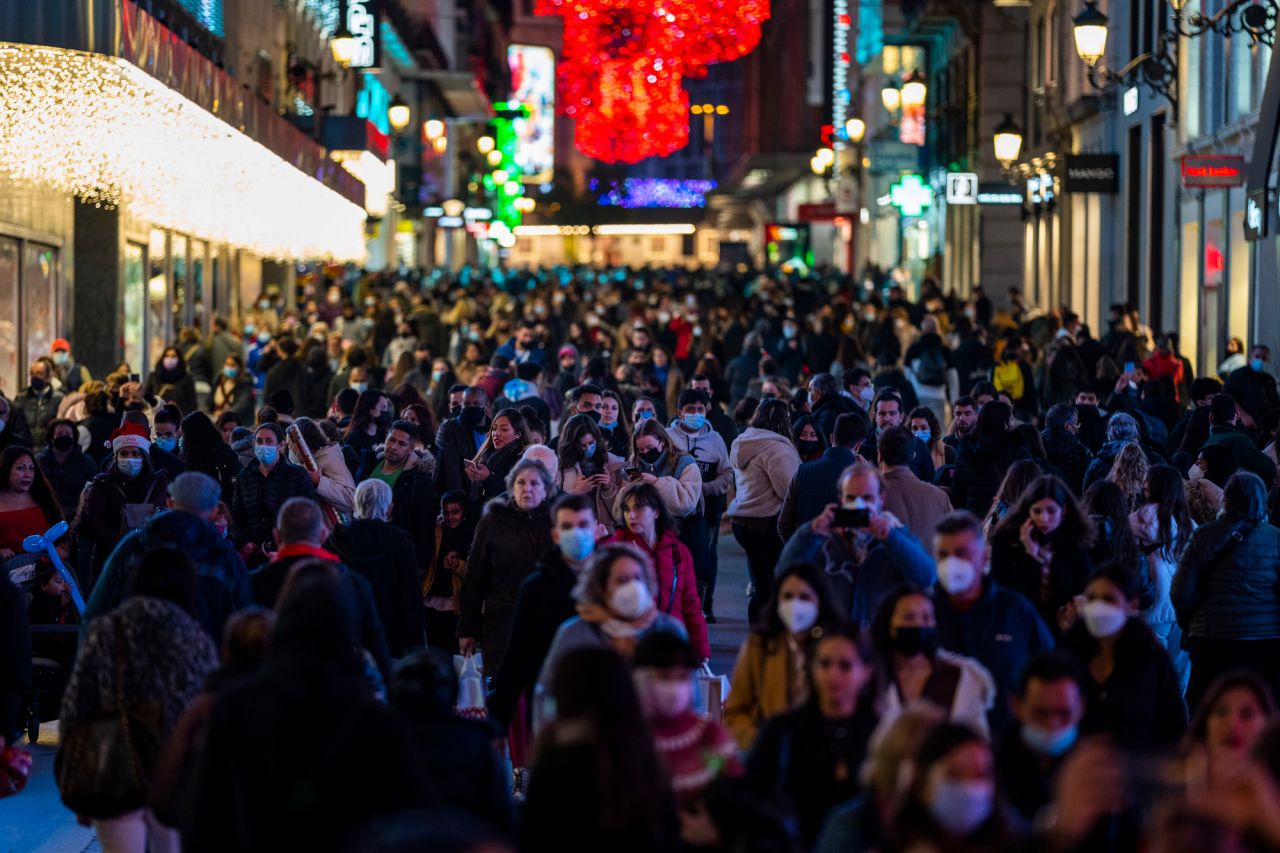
{"x": 604, "y": 495}
{"x": 760, "y": 688}
{"x": 917, "y": 504}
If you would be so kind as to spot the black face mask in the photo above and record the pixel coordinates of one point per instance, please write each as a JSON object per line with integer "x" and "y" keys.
{"x": 594, "y": 415}
{"x": 455, "y": 410}
{"x": 472, "y": 417}
{"x": 651, "y": 457}
{"x": 913, "y": 641}
{"x": 809, "y": 448}
{"x": 383, "y": 420}
{"x": 38, "y": 384}
{"x": 63, "y": 443}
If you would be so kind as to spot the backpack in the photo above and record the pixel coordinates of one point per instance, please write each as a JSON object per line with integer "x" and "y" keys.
{"x": 1007, "y": 376}
{"x": 930, "y": 368}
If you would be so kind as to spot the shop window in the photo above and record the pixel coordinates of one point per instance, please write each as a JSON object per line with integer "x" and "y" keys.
{"x": 157, "y": 336}
{"x": 10, "y": 383}
{"x": 134, "y": 305}
{"x": 39, "y": 299}
{"x": 178, "y": 245}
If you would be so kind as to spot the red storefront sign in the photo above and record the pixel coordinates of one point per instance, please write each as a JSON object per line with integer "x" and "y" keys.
{"x": 1205, "y": 171}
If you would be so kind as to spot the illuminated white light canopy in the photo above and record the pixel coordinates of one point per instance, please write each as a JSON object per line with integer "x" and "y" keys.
{"x": 378, "y": 177}
{"x": 105, "y": 131}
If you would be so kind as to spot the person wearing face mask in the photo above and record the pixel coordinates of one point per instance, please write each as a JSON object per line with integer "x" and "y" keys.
{"x": 1253, "y": 387}
{"x": 656, "y": 460}
{"x": 588, "y": 469}
{"x": 1047, "y": 709}
{"x": 864, "y": 551}
{"x": 692, "y": 433}
{"x": 813, "y": 754}
{"x": 695, "y": 750}
{"x": 73, "y": 374}
{"x": 616, "y": 606}
{"x": 951, "y": 802}
{"x": 1133, "y": 693}
{"x": 919, "y": 670}
{"x": 770, "y": 674}
{"x": 513, "y": 533}
{"x": 261, "y": 490}
{"x": 233, "y": 390}
{"x": 369, "y": 422}
{"x": 171, "y": 382}
{"x": 460, "y": 438}
{"x": 66, "y": 466}
{"x": 859, "y": 388}
{"x": 544, "y": 601}
{"x": 925, "y": 426}
{"x": 979, "y": 618}
{"x": 38, "y": 402}
{"x": 122, "y": 498}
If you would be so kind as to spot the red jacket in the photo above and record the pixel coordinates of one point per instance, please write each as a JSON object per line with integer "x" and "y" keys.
{"x": 1159, "y": 366}
{"x": 671, "y": 559}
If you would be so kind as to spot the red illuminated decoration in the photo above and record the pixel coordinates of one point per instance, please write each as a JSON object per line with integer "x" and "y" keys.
{"x": 624, "y": 61}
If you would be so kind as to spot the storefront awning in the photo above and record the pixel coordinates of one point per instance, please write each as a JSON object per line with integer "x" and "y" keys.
{"x": 458, "y": 89}
{"x": 102, "y": 129}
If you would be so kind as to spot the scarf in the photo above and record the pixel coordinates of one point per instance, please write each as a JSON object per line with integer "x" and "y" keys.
{"x": 299, "y": 549}
{"x": 622, "y": 634}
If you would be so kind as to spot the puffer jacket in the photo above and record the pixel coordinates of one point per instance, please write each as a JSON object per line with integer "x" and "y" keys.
{"x": 1068, "y": 455}
{"x": 764, "y": 464}
{"x": 507, "y": 546}
{"x": 38, "y": 407}
{"x": 1237, "y": 599}
{"x": 677, "y": 586}
{"x": 101, "y": 521}
{"x": 222, "y": 581}
{"x": 257, "y": 499}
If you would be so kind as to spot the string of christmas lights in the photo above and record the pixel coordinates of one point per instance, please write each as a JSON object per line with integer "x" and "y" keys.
{"x": 624, "y": 63}
{"x": 105, "y": 131}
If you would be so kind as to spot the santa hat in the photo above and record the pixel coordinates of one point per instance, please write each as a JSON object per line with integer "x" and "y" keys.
{"x": 130, "y": 435}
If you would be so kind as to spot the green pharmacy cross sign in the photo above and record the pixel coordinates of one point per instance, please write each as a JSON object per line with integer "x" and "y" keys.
{"x": 910, "y": 195}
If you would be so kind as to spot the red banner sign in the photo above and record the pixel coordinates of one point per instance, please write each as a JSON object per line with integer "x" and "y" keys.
{"x": 1206, "y": 171}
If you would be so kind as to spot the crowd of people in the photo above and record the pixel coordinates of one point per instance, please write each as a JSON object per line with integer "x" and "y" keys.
{"x": 1011, "y": 585}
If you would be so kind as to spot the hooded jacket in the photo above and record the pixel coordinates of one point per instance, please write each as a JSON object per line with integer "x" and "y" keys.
{"x": 764, "y": 464}
{"x": 712, "y": 458}
{"x": 222, "y": 581}
{"x": 384, "y": 555}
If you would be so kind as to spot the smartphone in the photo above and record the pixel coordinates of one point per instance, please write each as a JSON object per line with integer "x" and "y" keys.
{"x": 852, "y": 519}
{"x": 632, "y": 473}
{"x": 133, "y": 377}
{"x": 1129, "y": 367}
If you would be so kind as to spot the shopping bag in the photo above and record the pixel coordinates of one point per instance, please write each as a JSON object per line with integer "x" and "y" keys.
{"x": 470, "y": 670}
{"x": 712, "y": 691}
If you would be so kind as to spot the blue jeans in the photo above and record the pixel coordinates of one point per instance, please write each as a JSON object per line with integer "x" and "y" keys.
{"x": 1170, "y": 636}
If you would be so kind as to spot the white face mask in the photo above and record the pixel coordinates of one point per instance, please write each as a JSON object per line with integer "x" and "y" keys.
{"x": 961, "y": 807}
{"x": 798, "y": 614}
{"x": 669, "y": 699}
{"x": 1195, "y": 472}
{"x": 867, "y": 394}
{"x": 1102, "y": 618}
{"x": 955, "y": 575}
{"x": 632, "y": 599}
{"x": 170, "y": 363}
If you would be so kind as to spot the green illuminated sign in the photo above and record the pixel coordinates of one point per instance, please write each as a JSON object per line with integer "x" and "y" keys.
{"x": 910, "y": 195}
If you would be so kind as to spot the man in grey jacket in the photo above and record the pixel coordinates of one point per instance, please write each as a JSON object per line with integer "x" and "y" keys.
{"x": 862, "y": 564}
{"x": 693, "y": 434}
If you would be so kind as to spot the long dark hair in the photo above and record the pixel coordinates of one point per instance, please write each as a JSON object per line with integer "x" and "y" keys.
{"x": 570, "y": 445}
{"x": 200, "y": 442}
{"x": 773, "y": 415}
{"x": 1106, "y": 503}
{"x": 362, "y": 417}
{"x": 518, "y": 423}
{"x": 1237, "y": 679}
{"x": 769, "y": 624}
{"x": 594, "y": 686}
{"x": 646, "y": 494}
{"x": 1164, "y": 485}
{"x": 1196, "y": 434}
{"x": 41, "y": 491}
{"x": 1017, "y": 479}
{"x": 1075, "y": 527}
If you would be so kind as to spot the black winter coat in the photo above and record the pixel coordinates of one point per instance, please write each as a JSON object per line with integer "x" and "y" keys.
{"x": 68, "y": 478}
{"x": 223, "y": 466}
{"x": 1140, "y": 705}
{"x": 15, "y": 659}
{"x": 256, "y": 499}
{"x": 507, "y": 545}
{"x": 286, "y": 375}
{"x": 543, "y": 602}
{"x": 100, "y": 522}
{"x": 178, "y": 388}
{"x": 415, "y": 506}
{"x": 1237, "y": 599}
{"x": 455, "y": 758}
{"x": 980, "y": 468}
{"x": 829, "y": 408}
{"x": 1068, "y": 455}
{"x": 454, "y": 442}
{"x": 384, "y": 555}
{"x": 1014, "y": 569}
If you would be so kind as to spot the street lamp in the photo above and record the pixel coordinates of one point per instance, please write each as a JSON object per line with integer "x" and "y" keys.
{"x": 913, "y": 92}
{"x": 433, "y": 128}
{"x": 891, "y": 96}
{"x": 818, "y": 165}
{"x": 855, "y": 128}
{"x": 398, "y": 114}
{"x": 1090, "y": 28}
{"x": 1008, "y": 141}
{"x": 343, "y": 46}
{"x": 485, "y": 144}
{"x": 494, "y": 157}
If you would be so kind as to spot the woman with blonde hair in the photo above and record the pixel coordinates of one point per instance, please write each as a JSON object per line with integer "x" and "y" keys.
{"x": 1129, "y": 472}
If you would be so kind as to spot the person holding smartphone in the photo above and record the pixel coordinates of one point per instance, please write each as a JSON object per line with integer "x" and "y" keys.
{"x": 864, "y": 551}
{"x": 588, "y": 468}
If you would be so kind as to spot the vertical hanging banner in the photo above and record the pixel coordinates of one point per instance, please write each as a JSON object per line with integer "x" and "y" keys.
{"x": 533, "y": 79}
{"x": 362, "y": 21}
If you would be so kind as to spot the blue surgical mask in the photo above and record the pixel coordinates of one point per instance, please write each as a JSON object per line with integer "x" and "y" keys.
{"x": 231, "y": 372}
{"x": 924, "y": 435}
{"x": 694, "y": 422}
{"x": 360, "y": 387}
{"x": 168, "y": 445}
{"x": 1258, "y": 364}
{"x": 789, "y": 332}
{"x": 1047, "y": 742}
{"x": 606, "y": 426}
{"x": 589, "y": 451}
{"x": 129, "y": 467}
{"x": 644, "y": 415}
{"x": 577, "y": 544}
{"x": 267, "y": 454}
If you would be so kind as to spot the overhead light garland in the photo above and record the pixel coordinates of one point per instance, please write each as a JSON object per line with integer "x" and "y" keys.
{"x": 105, "y": 131}
{"x": 621, "y": 71}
